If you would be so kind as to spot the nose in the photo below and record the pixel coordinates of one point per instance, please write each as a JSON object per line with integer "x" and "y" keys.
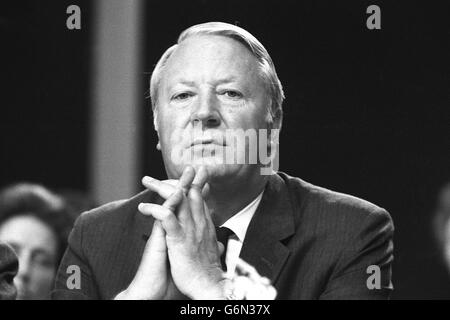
{"x": 23, "y": 274}
{"x": 206, "y": 111}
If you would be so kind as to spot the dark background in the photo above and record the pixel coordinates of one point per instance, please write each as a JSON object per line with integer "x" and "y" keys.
{"x": 44, "y": 78}
{"x": 366, "y": 111}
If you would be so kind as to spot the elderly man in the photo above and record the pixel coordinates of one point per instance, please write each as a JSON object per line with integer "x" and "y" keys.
{"x": 310, "y": 242}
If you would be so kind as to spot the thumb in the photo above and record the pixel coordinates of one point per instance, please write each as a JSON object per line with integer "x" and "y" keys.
{"x": 221, "y": 247}
{"x": 156, "y": 247}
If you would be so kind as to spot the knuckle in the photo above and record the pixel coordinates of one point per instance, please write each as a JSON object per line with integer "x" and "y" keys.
{"x": 194, "y": 194}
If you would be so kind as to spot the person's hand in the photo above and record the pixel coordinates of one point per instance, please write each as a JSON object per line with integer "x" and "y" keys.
{"x": 194, "y": 253}
{"x": 247, "y": 284}
{"x": 153, "y": 280}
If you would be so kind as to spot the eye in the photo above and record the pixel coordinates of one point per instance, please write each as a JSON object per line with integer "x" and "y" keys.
{"x": 43, "y": 260}
{"x": 182, "y": 96}
{"x": 233, "y": 94}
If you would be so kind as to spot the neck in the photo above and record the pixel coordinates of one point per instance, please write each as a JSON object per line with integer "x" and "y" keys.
{"x": 228, "y": 197}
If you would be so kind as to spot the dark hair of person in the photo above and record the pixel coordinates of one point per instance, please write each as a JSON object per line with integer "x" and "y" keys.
{"x": 38, "y": 201}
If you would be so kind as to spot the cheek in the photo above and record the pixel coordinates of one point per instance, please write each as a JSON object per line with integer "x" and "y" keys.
{"x": 43, "y": 276}
{"x": 248, "y": 117}
{"x": 170, "y": 127}
{"x": 172, "y": 137}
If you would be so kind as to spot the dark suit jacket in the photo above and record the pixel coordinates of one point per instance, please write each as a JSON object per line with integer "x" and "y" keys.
{"x": 312, "y": 243}
{"x": 8, "y": 270}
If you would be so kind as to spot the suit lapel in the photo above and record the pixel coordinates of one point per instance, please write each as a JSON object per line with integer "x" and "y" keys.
{"x": 273, "y": 221}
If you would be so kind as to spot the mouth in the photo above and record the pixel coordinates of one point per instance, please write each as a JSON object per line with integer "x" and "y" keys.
{"x": 23, "y": 294}
{"x": 207, "y": 142}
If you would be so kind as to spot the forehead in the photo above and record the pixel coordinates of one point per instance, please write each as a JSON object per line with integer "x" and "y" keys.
{"x": 28, "y": 231}
{"x": 211, "y": 56}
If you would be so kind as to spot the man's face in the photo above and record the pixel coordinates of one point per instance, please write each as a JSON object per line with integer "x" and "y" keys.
{"x": 210, "y": 85}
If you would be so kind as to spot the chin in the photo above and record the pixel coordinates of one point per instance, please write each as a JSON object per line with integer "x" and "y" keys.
{"x": 23, "y": 295}
{"x": 216, "y": 169}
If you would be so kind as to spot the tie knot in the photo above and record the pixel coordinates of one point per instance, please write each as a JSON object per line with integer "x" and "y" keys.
{"x": 223, "y": 233}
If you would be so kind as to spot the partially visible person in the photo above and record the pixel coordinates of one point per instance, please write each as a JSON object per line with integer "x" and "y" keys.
{"x": 247, "y": 284}
{"x": 442, "y": 223}
{"x": 8, "y": 270}
{"x": 35, "y": 222}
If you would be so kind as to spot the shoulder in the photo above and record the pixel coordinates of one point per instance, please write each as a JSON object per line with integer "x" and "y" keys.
{"x": 108, "y": 213}
{"x": 332, "y": 208}
{"x": 113, "y": 216}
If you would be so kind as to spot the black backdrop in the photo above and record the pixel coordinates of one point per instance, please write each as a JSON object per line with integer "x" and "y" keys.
{"x": 366, "y": 111}
{"x": 44, "y": 121}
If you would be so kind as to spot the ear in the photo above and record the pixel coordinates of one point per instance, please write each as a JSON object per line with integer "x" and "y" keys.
{"x": 277, "y": 119}
{"x": 155, "y": 124}
{"x": 155, "y": 120}
{"x": 274, "y": 129}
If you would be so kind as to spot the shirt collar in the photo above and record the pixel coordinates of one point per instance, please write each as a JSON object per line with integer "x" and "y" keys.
{"x": 239, "y": 222}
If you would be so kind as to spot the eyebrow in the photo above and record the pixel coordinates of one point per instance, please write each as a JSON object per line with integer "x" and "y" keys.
{"x": 17, "y": 248}
{"x": 37, "y": 251}
{"x": 192, "y": 83}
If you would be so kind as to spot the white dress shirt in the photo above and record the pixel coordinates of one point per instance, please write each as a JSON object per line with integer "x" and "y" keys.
{"x": 239, "y": 225}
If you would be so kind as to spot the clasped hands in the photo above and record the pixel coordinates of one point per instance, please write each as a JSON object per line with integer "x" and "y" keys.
{"x": 182, "y": 255}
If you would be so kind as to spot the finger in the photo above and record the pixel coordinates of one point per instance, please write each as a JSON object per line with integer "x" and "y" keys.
{"x": 184, "y": 211}
{"x": 201, "y": 177}
{"x": 186, "y": 179}
{"x": 205, "y": 191}
{"x": 166, "y": 188}
{"x": 201, "y": 190}
{"x": 155, "y": 252}
{"x": 200, "y": 185}
{"x": 163, "y": 189}
{"x": 172, "y": 182}
{"x": 221, "y": 247}
{"x": 209, "y": 222}
{"x": 171, "y": 203}
{"x": 174, "y": 200}
{"x": 196, "y": 205}
{"x": 167, "y": 217}
{"x": 184, "y": 214}
{"x": 252, "y": 273}
{"x": 156, "y": 244}
{"x": 248, "y": 270}
{"x": 178, "y": 200}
